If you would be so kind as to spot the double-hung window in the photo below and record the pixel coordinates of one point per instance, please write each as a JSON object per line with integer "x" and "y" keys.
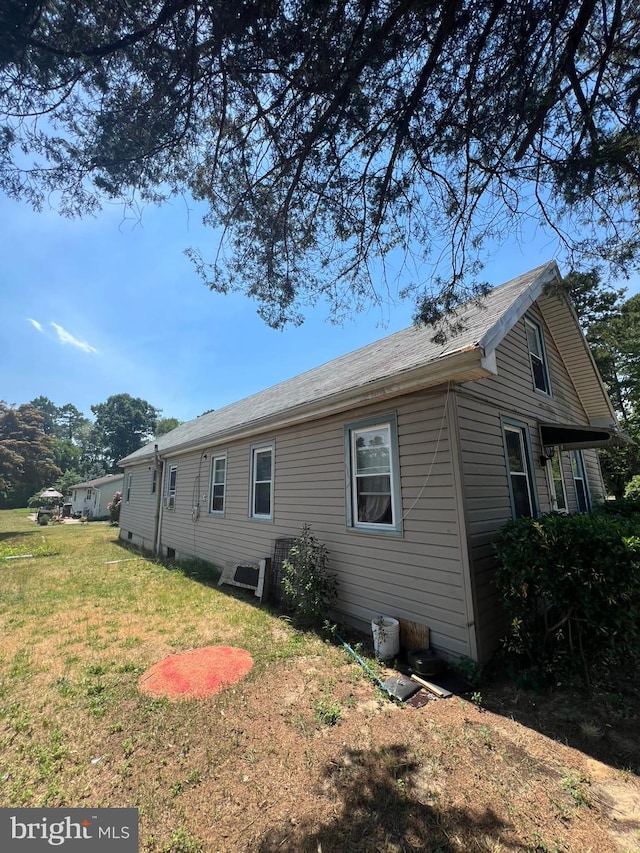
{"x": 373, "y": 499}
{"x": 580, "y": 480}
{"x": 537, "y": 356}
{"x": 129, "y": 478}
{"x": 170, "y": 494}
{"x": 218, "y": 484}
{"x": 262, "y": 482}
{"x": 154, "y": 481}
{"x": 556, "y": 484}
{"x": 519, "y": 470}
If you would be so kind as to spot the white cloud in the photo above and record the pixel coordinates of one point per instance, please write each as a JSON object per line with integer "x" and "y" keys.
{"x": 65, "y": 337}
{"x": 35, "y": 324}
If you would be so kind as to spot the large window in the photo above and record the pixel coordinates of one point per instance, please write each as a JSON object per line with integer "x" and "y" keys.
{"x": 170, "y": 495}
{"x": 537, "y": 356}
{"x": 519, "y": 470}
{"x": 218, "y": 484}
{"x": 556, "y": 484}
{"x": 580, "y": 480}
{"x": 374, "y": 493}
{"x": 262, "y": 482}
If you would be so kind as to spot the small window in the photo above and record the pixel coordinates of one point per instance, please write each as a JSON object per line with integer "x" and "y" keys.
{"x": 580, "y": 481}
{"x": 88, "y": 493}
{"x": 557, "y": 493}
{"x": 218, "y": 483}
{"x": 129, "y": 476}
{"x": 519, "y": 471}
{"x": 170, "y": 496}
{"x": 154, "y": 481}
{"x": 373, "y": 502}
{"x": 262, "y": 481}
{"x": 537, "y": 356}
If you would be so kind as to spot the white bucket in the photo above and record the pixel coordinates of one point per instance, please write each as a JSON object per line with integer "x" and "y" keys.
{"x": 386, "y": 637}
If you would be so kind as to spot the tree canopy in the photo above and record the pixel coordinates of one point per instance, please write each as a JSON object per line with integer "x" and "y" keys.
{"x": 123, "y": 424}
{"x": 26, "y": 454}
{"x": 328, "y": 136}
{"x": 612, "y": 328}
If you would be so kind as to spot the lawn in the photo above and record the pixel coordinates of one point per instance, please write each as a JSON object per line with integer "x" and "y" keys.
{"x": 304, "y": 754}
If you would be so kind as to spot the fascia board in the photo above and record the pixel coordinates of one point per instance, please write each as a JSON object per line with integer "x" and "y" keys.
{"x": 518, "y": 308}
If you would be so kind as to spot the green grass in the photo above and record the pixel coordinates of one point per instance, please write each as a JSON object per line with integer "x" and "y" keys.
{"x": 76, "y": 633}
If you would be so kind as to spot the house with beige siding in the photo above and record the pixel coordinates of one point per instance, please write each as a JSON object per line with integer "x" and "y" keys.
{"x": 405, "y": 457}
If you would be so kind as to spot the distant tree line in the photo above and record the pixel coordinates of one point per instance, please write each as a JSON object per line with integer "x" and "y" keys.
{"x": 44, "y": 445}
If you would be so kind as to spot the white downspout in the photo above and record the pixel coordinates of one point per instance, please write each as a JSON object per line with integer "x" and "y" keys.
{"x": 158, "y": 461}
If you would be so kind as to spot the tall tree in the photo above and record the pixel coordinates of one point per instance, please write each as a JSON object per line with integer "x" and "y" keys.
{"x": 26, "y": 454}
{"x": 69, "y": 422}
{"x": 123, "y": 424}
{"x": 325, "y": 136}
{"x": 612, "y": 327}
{"x": 165, "y": 425}
{"x": 49, "y": 412}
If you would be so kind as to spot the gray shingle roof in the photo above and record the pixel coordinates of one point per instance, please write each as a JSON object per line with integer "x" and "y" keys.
{"x": 392, "y": 356}
{"x": 98, "y": 482}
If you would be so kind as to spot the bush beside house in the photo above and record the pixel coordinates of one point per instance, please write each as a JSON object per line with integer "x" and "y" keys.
{"x": 570, "y": 587}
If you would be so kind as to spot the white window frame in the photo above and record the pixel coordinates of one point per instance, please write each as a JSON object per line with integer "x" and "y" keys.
{"x": 579, "y": 474}
{"x": 525, "y": 448}
{"x": 536, "y": 328}
{"x": 212, "y": 484}
{"x": 170, "y": 492}
{"x": 255, "y": 450}
{"x": 128, "y": 489}
{"x": 89, "y": 492}
{"x": 154, "y": 480}
{"x": 388, "y": 424}
{"x": 551, "y": 480}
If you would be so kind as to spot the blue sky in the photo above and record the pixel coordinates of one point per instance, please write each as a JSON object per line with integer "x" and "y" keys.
{"x": 103, "y": 306}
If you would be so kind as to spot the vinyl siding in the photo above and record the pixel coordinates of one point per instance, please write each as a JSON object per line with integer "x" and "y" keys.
{"x": 415, "y": 575}
{"x": 481, "y": 406}
{"x": 138, "y": 515}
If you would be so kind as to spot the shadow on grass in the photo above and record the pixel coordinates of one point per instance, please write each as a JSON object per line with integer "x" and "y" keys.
{"x": 603, "y": 722}
{"x": 377, "y": 796}
{"x": 17, "y": 534}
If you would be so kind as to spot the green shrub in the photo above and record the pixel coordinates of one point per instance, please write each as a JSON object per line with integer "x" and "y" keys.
{"x": 310, "y": 589}
{"x": 570, "y": 586}
{"x": 632, "y": 490}
{"x": 114, "y": 507}
{"x": 627, "y": 507}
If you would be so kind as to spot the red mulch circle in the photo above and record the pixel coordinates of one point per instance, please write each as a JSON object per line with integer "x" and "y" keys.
{"x": 196, "y": 673}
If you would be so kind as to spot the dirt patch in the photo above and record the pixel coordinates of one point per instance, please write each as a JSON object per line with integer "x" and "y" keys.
{"x": 197, "y": 673}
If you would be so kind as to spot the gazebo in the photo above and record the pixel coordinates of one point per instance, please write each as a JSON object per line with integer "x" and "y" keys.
{"x": 49, "y": 505}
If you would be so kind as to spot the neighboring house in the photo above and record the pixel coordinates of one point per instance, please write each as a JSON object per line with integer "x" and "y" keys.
{"x": 405, "y": 457}
{"x": 91, "y": 498}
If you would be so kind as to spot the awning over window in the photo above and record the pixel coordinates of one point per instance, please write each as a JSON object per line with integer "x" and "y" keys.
{"x": 577, "y": 436}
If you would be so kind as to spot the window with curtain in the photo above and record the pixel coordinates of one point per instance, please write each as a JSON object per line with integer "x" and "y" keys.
{"x": 373, "y": 501}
